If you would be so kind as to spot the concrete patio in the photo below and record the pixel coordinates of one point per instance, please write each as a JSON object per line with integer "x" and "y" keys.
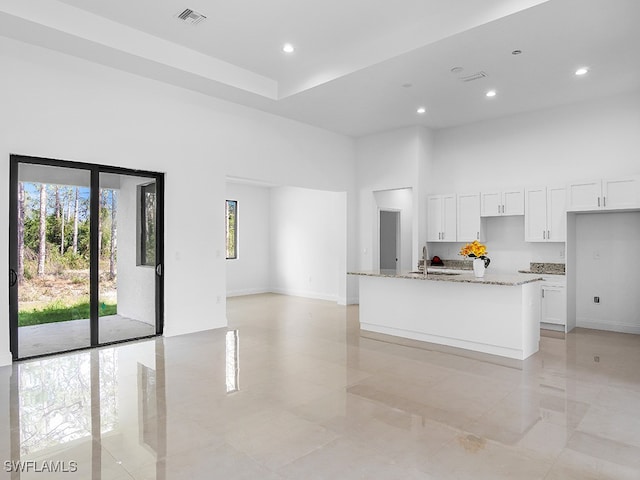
{"x": 61, "y": 336}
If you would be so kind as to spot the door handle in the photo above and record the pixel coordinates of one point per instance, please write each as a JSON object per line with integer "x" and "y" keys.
{"x": 13, "y": 277}
{"x": 159, "y": 269}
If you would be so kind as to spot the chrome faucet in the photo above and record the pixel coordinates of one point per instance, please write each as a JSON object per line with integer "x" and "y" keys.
{"x": 425, "y": 255}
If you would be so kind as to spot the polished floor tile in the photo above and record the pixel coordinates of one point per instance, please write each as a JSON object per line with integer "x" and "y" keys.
{"x": 291, "y": 390}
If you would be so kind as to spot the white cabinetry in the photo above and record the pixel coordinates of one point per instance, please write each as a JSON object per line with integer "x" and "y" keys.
{"x": 507, "y": 202}
{"x": 441, "y": 221}
{"x": 553, "y": 307}
{"x": 545, "y": 214}
{"x": 607, "y": 194}
{"x": 468, "y": 218}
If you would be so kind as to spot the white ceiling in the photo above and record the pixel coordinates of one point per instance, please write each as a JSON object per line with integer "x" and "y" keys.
{"x": 353, "y": 57}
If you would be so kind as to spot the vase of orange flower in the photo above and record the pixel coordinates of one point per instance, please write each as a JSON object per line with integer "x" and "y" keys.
{"x": 478, "y": 252}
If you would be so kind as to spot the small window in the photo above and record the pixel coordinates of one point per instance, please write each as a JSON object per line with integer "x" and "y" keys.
{"x": 232, "y": 229}
{"x": 147, "y": 224}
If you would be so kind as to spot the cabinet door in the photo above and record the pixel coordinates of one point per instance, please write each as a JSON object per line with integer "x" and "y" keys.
{"x": 449, "y": 218}
{"x": 583, "y": 196}
{"x": 513, "y": 202}
{"x": 468, "y": 217}
{"x": 491, "y": 204}
{"x": 535, "y": 215}
{"x": 621, "y": 193}
{"x": 434, "y": 218}
{"x": 556, "y": 214}
{"x": 553, "y": 308}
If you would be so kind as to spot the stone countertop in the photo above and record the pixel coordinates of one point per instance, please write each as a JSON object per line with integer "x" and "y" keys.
{"x": 507, "y": 279}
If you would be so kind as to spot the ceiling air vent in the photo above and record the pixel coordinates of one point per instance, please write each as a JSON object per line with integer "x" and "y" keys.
{"x": 474, "y": 76}
{"x": 191, "y": 17}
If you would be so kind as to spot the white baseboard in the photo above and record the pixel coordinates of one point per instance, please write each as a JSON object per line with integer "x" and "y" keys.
{"x": 305, "y": 294}
{"x": 6, "y": 359}
{"x": 247, "y": 291}
{"x": 611, "y": 327}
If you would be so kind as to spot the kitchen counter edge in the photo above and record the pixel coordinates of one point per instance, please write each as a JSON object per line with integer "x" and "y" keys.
{"x": 510, "y": 280}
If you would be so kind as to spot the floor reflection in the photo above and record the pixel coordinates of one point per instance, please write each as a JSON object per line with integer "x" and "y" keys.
{"x": 85, "y": 408}
{"x": 232, "y": 367}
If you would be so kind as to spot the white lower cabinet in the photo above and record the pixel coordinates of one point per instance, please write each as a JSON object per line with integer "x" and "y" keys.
{"x": 553, "y": 307}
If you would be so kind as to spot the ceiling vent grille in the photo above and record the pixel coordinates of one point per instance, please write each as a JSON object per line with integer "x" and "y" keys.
{"x": 474, "y": 76}
{"x": 191, "y": 17}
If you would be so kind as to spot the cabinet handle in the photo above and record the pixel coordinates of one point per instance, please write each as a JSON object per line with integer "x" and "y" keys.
{"x": 598, "y": 201}
{"x": 498, "y": 208}
{"x": 604, "y": 201}
{"x": 543, "y": 293}
{"x": 478, "y": 235}
{"x": 548, "y": 235}
{"x": 543, "y": 235}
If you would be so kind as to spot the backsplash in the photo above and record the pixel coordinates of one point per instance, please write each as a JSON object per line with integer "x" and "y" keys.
{"x": 548, "y": 268}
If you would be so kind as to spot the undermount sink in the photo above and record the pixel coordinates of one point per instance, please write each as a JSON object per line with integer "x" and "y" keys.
{"x": 437, "y": 273}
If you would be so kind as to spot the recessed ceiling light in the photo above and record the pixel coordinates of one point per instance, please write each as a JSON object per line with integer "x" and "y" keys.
{"x": 457, "y": 69}
{"x": 407, "y": 85}
{"x": 288, "y": 48}
{"x": 582, "y": 71}
{"x": 516, "y": 52}
{"x": 421, "y": 110}
{"x": 491, "y": 93}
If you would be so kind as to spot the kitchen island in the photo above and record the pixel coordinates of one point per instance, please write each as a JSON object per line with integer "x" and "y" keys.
{"x": 497, "y": 314}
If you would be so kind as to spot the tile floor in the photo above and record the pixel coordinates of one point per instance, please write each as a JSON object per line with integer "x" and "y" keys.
{"x": 292, "y": 391}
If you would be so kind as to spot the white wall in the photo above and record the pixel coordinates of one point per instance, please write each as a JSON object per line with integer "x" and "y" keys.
{"x": 386, "y": 161}
{"x": 308, "y": 238}
{"x": 402, "y": 200}
{"x": 608, "y": 266}
{"x": 574, "y": 142}
{"x": 249, "y": 273}
{"x": 57, "y": 106}
{"x": 136, "y": 283}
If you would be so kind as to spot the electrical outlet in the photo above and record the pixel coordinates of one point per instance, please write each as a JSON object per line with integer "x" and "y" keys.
{"x": 596, "y": 299}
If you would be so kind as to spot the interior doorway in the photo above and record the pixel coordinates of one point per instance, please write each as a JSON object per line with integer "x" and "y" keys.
{"x": 390, "y": 239}
{"x": 85, "y": 255}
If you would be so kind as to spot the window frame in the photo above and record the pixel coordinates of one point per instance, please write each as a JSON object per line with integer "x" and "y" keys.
{"x": 141, "y": 224}
{"x": 235, "y": 229}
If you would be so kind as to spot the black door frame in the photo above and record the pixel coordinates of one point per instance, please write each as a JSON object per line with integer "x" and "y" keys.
{"x": 95, "y": 171}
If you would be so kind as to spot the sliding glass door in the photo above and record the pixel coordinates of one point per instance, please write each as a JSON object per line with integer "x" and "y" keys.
{"x": 85, "y": 255}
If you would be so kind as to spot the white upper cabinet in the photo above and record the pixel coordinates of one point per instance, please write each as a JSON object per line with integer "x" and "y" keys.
{"x": 506, "y": 202}
{"x": 441, "y": 221}
{"x": 556, "y": 214}
{"x": 607, "y": 194}
{"x": 545, "y": 214}
{"x": 468, "y": 218}
{"x": 535, "y": 214}
{"x": 621, "y": 193}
